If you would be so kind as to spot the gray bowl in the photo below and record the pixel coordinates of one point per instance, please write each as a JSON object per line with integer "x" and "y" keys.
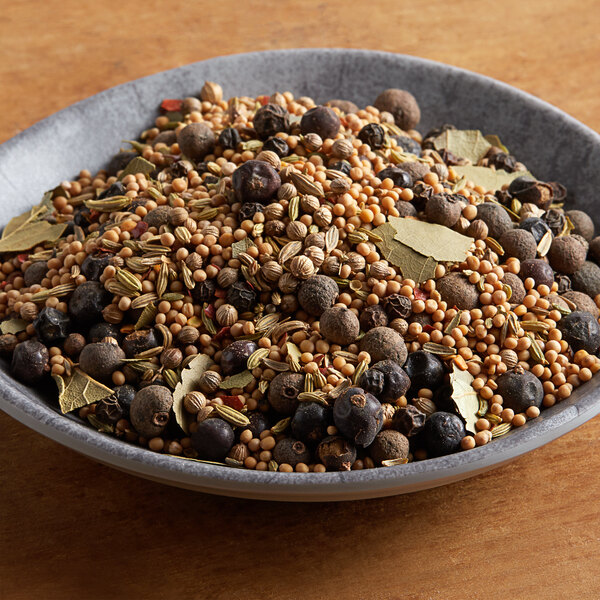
{"x": 85, "y": 135}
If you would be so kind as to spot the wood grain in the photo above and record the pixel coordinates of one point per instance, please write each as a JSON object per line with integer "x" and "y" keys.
{"x": 70, "y": 528}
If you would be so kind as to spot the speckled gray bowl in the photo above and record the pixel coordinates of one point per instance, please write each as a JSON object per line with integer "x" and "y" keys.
{"x": 551, "y": 143}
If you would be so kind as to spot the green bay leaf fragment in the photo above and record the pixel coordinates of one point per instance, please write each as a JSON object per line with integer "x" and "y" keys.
{"x": 463, "y": 143}
{"x": 31, "y": 234}
{"x": 190, "y": 379}
{"x": 79, "y": 390}
{"x": 489, "y": 179}
{"x": 465, "y": 397}
{"x": 242, "y": 246}
{"x": 494, "y": 140}
{"x": 137, "y": 165}
{"x": 13, "y": 326}
{"x": 430, "y": 239}
{"x": 240, "y": 380}
{"x": 33, "y": 214}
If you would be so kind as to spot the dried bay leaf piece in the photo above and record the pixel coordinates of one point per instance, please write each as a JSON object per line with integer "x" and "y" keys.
{"x": 489, "y": 179}
{"x": 31, "y": 234}
{"x": 13, "y": 326}
{"x": 465, "y": 397}
{"x": 137, "y": 165}
{"x": 242, "y": 246}
{"x": 240, "y": 380}
{"x": 190, "y": 377}
{"x": 431, "y": 239}
{"x": 494, "y": 140}
{"x": 79, "y": 390}
{"x": 464, "y": 143}
{"x": 33, "y": 214}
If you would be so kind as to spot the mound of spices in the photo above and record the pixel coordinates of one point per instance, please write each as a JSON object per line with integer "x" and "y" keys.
{"x": 271, "y": 284}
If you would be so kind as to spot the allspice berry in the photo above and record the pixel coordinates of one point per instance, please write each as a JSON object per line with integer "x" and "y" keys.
{"x": 317, "y": 294}
{"x": 388, "y": 445}
{"x": 582, "y": 222}
{"x": 196, "y": 140}
{"x": 383, "y": 343}
{"x": 587, "y": 279}
{"x": 291, "y": 452}
{"x": 539, "y": 270}
{"x": 321, "y": 120}
{"x": 456, "y": 290}
{"x": 583, "y": 302}
{"x": 516, "y": 286}
{"x": 402, "y": 105}
{"x": 284, "y": 390}
{"x": 339, "y": 325}
{"x": 344, "y": 106}
{"x": 593, "y": 251}
{"x": 518, "y": 243}
{"x": 566, "y": 254}
{"x": 149, "y": 411}
{"x": 495, "y": 217}
{"x": 101, "y": 359}
{"x": 443, "y": 209}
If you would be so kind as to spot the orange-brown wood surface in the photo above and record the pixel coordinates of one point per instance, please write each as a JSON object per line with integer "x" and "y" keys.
{"x": 71, "y": 528}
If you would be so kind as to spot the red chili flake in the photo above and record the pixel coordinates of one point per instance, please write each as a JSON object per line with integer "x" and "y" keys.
{"x": 324, "y": 370}
{"x": 263, "y": 100}
{"x": 420, "y": 294}
{"x": 428, "y": 328}
{"x": 223, "y": 332}
{"x": 139, "y": 229}
{"x": 209, "y": 311}
{"x": 171, "y": 105}
{"x": 21, "y": 258}
{"x": 3, "y": 284}
{"x": 318, "y": 358}
{"x": 233, "y": 402}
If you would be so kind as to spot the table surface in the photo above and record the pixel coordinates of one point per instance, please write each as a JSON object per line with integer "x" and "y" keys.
{"x": 71, "y": 528}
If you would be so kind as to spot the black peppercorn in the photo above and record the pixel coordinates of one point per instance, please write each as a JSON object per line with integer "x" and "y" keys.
{"x": 520, "y": 389}
{"x": 124, "y": 395}
{"x": 518, "y": 243}
{"x": 581, "y": 331}
{"x": 99, "y": 331}
{"x": 425, "y": 370}
{"x": 310, "y": 422}
{"x": 443, "y": 209}
{"x": 495, "y": 217}
{"x": 196, "y": 140}
{"x": 388, "y": 445}
{"x": 321, "y": 120}
{"x": 94, "y": 265}
{"x": 249, "y": 209}
{"x": 119, "y": 161}
{"x": 30, "y": 361}
{"x": 291, "y": 452}
{"x": 101, "y": 359}
{"x": 408, "y": 144}
{"x": 587, "y": 279}
{"x": 277, "y": 145}
{"x": 555, "y": 219}
{"x": 566, "y": 254}
{"x": 336, "y": 453}
{"x": 397, "y": 306}
{"x": 383, "y": 343}
{"x": 255, "y": 181}
{"x": 317, "y": 294}
{"x": 358, "y": 416}
{"x": 283, "y": 392}
{"x": 502, "y": 161}
{"x": 229, "y": 138}
{"x": 456, "y": 290}
{"x": 271, "y": 119}
{"x": 115, "y": 189}
{"x": 108, "y": 410}
{"x": 52, "y": 326}
{"x": 582, "y": 222}
{"x": 402, "y": 105}
{"x": 258, "y": 423}
{"x": 235, "y": 356}
{"x": 372, "y": 134}
{"x": 343, "y": 166}
{"x": 339, "y": 325}
{"x": 536, "y": 226}
{"x": 391, "y": 385}
{"x": 400, "y": 177}
{"x": 139, "y": 341}
{"x": 442, "y": 433}
{"x": 204, "y": 291}
{"x": 408, "y": 420}
{"x": 539, "y": 270}
{"x": 242, "y": 296}
{"x": 87, "y": 302}
{"x": 528, "y": 190}
{"x": 213, "y": 439}
{"x": 373, "y": 316}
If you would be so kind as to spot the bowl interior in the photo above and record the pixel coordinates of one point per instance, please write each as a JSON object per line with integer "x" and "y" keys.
{"x": 84, "y": 136}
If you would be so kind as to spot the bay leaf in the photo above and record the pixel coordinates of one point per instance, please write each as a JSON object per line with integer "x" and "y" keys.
{"x": 33, "y": 214}
{"x": 30, "y": 234}
{"x": 412, "y": 264}
{"x": 464, "y": 143}
{"x": 494, "y": 140}
{"x": 489, "y": 179}
{"x": 431, "y": 239}
{"x": 137, "y": 165}
{"x": 190, "y": 377}
{"x": 240, "y": 380}
{"x": 465, "y": 397}
{"x": 79, "y": 390}
{"x": 242, "y": 246}
{"x": 13, "y": 326}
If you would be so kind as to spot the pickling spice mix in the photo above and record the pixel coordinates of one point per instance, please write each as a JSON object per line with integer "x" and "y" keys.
{"x": 270, "y": 284}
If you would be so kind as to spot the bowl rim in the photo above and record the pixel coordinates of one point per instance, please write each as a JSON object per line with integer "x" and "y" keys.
{"x": 14, "y": 397}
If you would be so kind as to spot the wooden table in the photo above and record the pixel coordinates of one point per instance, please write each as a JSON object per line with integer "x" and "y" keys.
{"x": 71, "y": 528}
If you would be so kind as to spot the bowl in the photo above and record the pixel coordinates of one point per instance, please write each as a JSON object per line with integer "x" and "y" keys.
{"x": 553, "y": 145}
